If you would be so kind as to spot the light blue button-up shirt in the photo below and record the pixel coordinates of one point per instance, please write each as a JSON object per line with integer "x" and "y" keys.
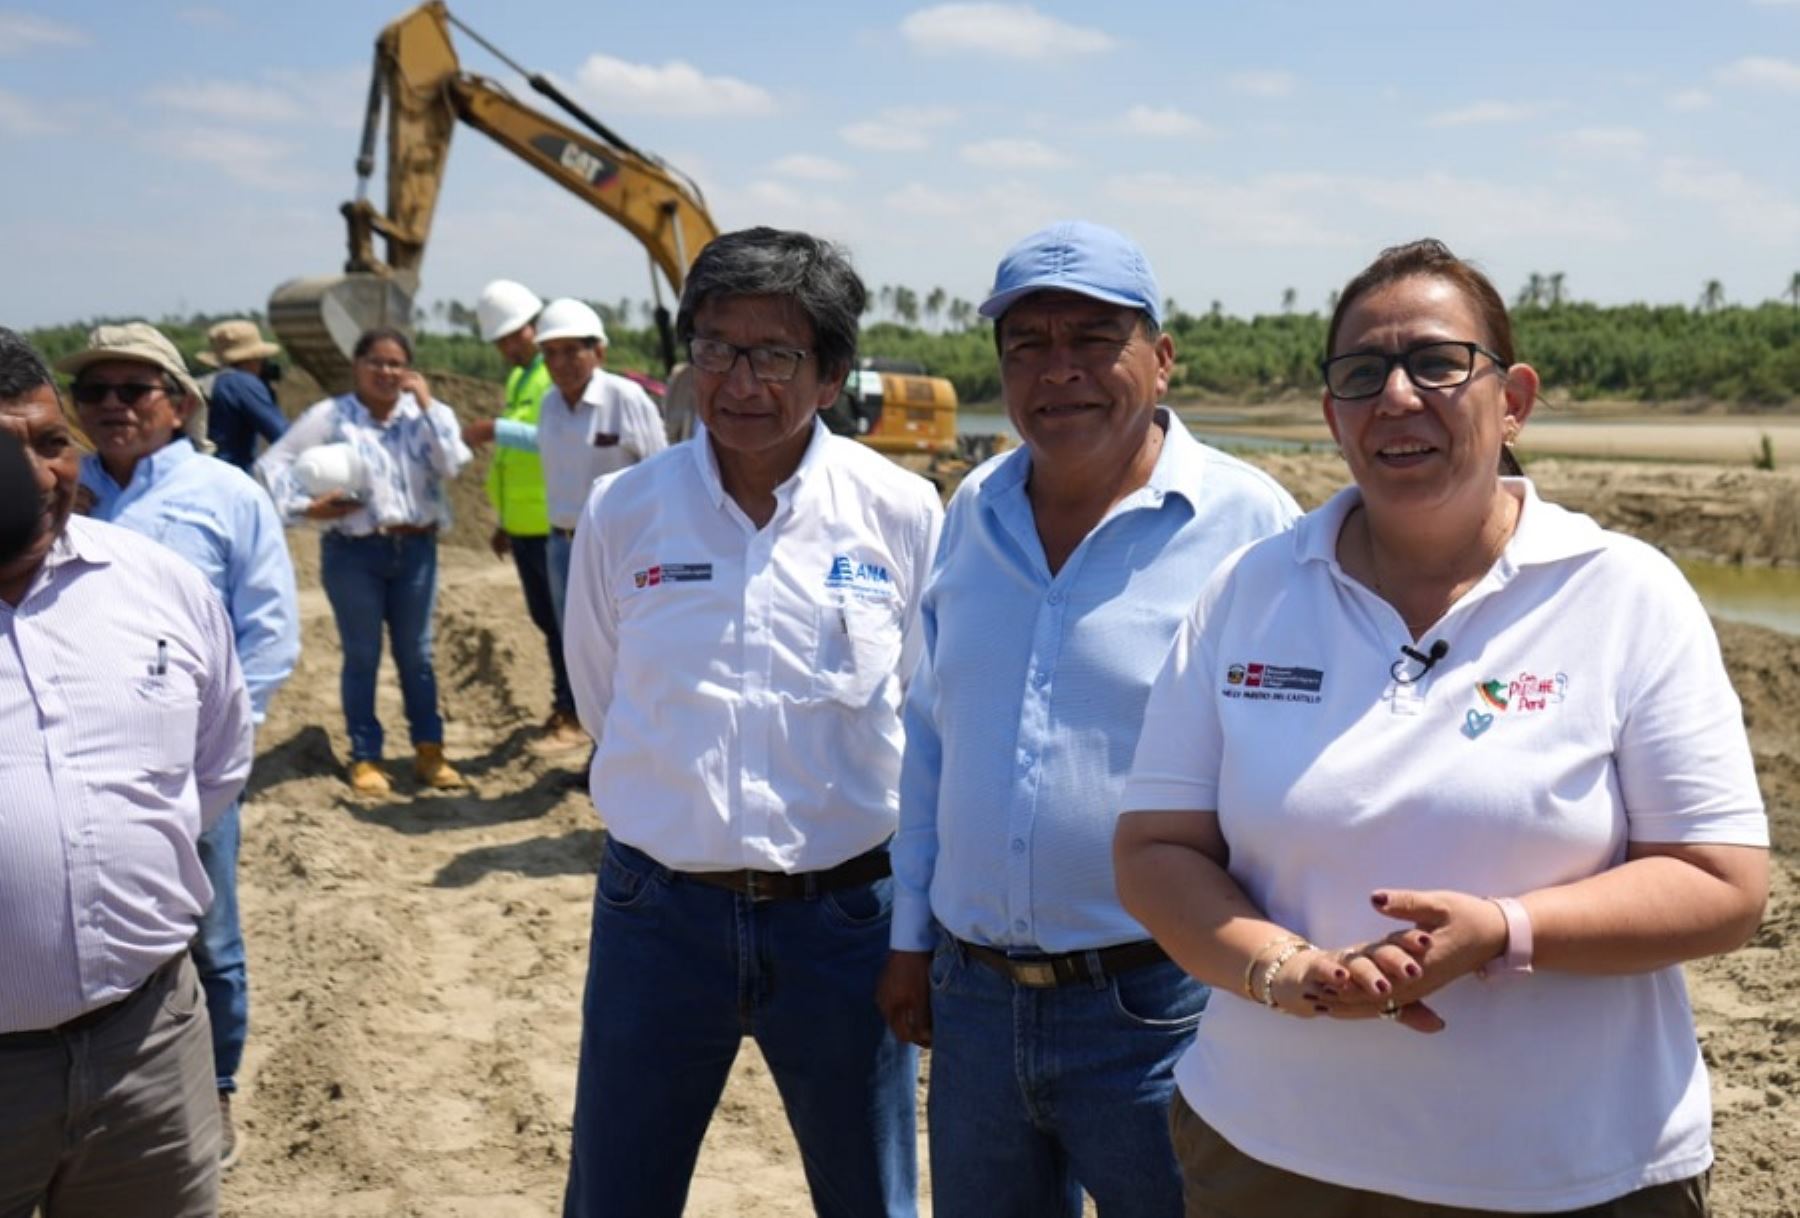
{"x": 215, "y": 516}
{"x": 1023, "y": 716}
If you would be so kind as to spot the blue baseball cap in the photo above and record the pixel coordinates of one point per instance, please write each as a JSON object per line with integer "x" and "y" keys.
{"x": 1076, "y": 256}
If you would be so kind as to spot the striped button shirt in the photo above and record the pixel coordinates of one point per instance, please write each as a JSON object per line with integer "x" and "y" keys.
{"x": 408, "y": 457}
{"x": 1022, "y": 717}
{"x": 125, "y": 730}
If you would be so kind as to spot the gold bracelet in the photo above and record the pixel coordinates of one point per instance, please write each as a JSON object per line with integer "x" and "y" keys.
{"x": 1256, "y": 958}
{"x": 1274, "y": 969}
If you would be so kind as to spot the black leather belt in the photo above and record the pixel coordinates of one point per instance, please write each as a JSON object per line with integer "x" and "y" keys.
{"x": 90, "y": 1019}
{"x": 1043, "y": 972}
{"x": 799, "y": 886}
{"x": 556, "y": 530}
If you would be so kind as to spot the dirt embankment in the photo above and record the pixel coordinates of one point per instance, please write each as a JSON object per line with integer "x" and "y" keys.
{"x": 417, "y": 965}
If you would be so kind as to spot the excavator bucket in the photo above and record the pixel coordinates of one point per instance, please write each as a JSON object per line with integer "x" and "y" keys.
{"x": 318, "y": 320}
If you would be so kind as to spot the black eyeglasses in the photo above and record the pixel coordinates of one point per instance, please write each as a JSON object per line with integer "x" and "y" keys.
{"x": 93, "y": 393}
{"x": 1363, "y": 374}
{"x": 766, "y": 363}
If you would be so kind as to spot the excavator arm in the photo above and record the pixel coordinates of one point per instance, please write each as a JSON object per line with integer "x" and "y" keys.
{"x": 419, "y": 81}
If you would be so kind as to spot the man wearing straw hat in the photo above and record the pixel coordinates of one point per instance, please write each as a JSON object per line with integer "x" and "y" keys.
{"x": 133, "y": 396}
{"x": 240, "y": 405}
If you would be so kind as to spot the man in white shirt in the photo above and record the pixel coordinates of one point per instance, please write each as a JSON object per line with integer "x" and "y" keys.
{"x": 126, "y": 733}
{"x": 743, "y": 610}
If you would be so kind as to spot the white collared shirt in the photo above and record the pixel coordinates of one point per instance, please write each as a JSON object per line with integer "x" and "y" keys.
{"x": 125, "y": 732}
{"x": 614, "y": 425}
{"x": 744, "y": 684}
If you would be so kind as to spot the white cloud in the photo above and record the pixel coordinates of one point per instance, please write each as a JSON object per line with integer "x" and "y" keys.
{"x": 1742, "y": 204}
{"x": 1763, "y": 72}
{"x": 1011, "y": 31}
{"x": 230, "y": 101}
{"x": 1311, "y": 210}
{"x": 20, "y": 119}
{"x": 1485, "y": 112}
{"x": 203, "y": 17}
{"x": 917, "y": 199}
{"x": 1162, "y": 122}
{"x": 675, "y": 88}
{"x": 23, "y": 32}
{"x": 810, "y": 168}
{"x": 1262, "y": 83}
{"x": 332, "y": 96}
{"x": 248, "y": 158}
{"x": 1621, "y": 143}
{"x": 899, "y": 129}
{"x": 1013, "y": 154}
{"x": 1691, "y": 99}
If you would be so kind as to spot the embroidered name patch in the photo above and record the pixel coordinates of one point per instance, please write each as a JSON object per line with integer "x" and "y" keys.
{"x": 1274, "y": 682}
{"x": 1525, "y": 694}
{"x": 672, "y": 573}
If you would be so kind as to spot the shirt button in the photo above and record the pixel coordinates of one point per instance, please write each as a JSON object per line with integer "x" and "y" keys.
{"x": 1042, "y": 679}
{"x": 1018, "y": 845}
{"x": 1025, "y": 760}
{"x": 1056, "y": 597}
{"x": 1019, "y": 925}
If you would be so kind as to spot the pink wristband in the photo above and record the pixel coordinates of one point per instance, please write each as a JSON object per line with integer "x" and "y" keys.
{"x": 1517, "y": 957}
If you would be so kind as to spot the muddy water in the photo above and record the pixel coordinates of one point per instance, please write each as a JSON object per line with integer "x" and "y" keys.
{"x": 1763, "y": 596}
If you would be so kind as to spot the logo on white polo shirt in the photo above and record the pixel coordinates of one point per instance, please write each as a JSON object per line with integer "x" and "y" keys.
{"x": 1525, "y": 694}
{"x": 672, "y": 573}
{"x": 863, "y": 580}
{"x": 1259, "y": 682}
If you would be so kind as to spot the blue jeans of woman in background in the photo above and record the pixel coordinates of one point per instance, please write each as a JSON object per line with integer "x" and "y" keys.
{"x": 386, "y": 579}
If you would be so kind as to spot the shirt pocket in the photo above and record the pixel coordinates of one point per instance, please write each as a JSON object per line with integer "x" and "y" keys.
{"x": 858, "y": 647}
{"x": 167, "y": 713}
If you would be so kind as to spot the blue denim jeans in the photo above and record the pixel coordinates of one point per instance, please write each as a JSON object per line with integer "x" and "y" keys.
{"x": 678, "y": 974}
{"x": 219, "y": 950}
{"x": 1038, "y": 1094}
{"x": 543, "y": 601}
{"x": 371, "y": 581}
{"x": 557, "y": 553}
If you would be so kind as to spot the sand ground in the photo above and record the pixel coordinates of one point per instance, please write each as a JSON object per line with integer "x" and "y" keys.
{"x": 417, "y": 965}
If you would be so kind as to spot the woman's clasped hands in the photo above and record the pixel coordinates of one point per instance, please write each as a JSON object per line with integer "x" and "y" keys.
{"x": 1451, "y": 934}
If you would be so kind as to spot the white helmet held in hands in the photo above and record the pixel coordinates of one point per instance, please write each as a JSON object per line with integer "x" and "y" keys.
{"x": 569, "y": 318}
{"x": 505, "y": 306}
{"x": 331, "y": 467}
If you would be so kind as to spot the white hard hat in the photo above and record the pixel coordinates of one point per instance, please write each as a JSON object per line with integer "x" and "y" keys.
{"x": 331, "y": 467}
{"x": 569, "y": 318}
{"x": 504, "y": 307}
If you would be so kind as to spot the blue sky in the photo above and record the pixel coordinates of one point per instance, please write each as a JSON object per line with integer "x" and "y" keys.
{"x": 168, "y": 157}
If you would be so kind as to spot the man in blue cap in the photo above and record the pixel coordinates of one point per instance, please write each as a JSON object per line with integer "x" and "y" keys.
{"x": 1064, "y": 570}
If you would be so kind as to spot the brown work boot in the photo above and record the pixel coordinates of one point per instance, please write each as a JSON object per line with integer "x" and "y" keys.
{"x": 368, "y": 778}
{"x": 432, "y": 770}
{"x": 561, "y": 733}
{"x": 229, "y": 1146}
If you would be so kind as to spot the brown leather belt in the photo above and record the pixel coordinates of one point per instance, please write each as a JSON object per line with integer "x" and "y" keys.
{"x": 90, "y": 1019}
{"x": 799, "y": 886}
{"x": 406, "y": 530}
{"x": 1043, "y": 972}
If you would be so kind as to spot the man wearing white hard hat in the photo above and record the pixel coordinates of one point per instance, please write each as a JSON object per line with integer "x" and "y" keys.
{"x": 241, "y": 407}
{"x": 133, "y": 396}
{"x": 507, "y": 313}
{"x": 591, "y": 423}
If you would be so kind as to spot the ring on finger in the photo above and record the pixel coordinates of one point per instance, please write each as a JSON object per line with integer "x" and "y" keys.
{"x": 1391, "y": 1010}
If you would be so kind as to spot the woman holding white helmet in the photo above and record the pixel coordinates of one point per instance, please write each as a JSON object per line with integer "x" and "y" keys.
{"x": 369, "y": 466}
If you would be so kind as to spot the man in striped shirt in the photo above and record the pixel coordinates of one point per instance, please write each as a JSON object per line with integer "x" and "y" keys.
{"x": 126, "y": 733}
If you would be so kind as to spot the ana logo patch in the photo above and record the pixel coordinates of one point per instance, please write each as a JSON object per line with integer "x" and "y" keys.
{"x": 1493, "y": 693}
{"x": 863, "y": 580}
{"x": 1525, "y": 694}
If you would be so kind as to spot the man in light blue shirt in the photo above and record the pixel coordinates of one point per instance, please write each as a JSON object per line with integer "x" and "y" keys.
{"x": 134, "y": 396}
{"x": 1065, "y": 568}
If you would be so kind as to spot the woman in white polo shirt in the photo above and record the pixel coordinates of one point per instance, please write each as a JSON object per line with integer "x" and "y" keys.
{"x": 1442, "y": 785}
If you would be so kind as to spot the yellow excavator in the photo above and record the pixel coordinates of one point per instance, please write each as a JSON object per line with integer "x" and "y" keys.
{"x": 421, "y": 84}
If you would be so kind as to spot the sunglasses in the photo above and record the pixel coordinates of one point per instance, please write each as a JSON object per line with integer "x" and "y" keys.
{"x": 93, "y": 393}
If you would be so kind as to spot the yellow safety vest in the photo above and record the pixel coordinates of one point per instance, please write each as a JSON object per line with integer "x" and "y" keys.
{"x": 515, "y": 481}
